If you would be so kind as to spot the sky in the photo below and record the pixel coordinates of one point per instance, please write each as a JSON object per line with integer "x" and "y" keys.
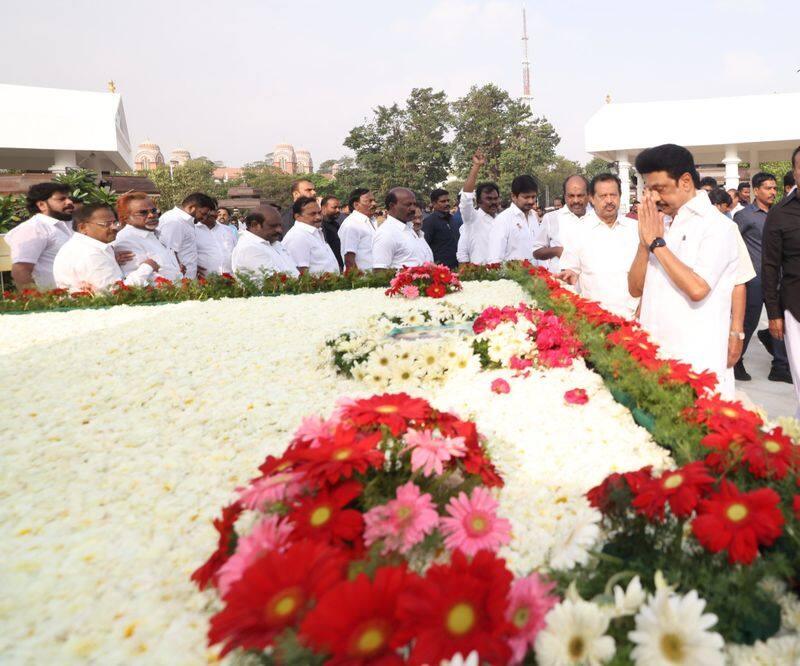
{"x": 229, "y": 80}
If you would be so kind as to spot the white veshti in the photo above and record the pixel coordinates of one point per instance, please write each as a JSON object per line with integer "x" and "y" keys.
{"x": 125, "y": 430}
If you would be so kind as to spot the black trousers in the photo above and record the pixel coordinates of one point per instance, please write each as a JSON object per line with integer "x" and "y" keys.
{"x": 752, "y": 313}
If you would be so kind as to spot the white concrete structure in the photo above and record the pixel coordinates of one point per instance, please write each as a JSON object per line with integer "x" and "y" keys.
{"x": 726, "y": 130}
{"x": 50, "y": 128}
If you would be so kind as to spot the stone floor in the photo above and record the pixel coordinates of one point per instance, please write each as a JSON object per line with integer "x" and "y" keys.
{"x": 778, "y": 398}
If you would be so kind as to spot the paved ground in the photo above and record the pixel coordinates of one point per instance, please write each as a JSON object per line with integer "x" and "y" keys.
{"x": 777, "y": 398}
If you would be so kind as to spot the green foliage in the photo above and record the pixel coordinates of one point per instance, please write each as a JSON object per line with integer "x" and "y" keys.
{"x": 84, "y": 187}
{"x": 596, "y": 166}
{"x": 551, "y": 182}
{"x": 12, "y": 211}
{"x": 779, "y": 170}
{"x": 275, "y": 186}
{"x": 404, "y": 146}
{"x": 194, "y": 176}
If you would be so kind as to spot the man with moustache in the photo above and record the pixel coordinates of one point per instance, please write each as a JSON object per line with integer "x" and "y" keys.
{"x": 442, "y": 230}
{"x": 473, "y": 243}
{"x": 396, "y": 244}
{"x": 300, "y": 188}
{"x": 35, "y": 243}
{"x": 357, "y": 231}
{"x": 512, "y": 234}
{"x": 557, "y": 226}
{"x": 305, "y": 242}
{"x": 599, "y": 257}
{"x": 330, "y": 226}
{"x": 259, "y": 250}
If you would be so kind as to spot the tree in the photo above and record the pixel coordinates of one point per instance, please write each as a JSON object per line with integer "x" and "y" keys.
{"x": 513, "y": 141}
{"x": 596, "y": 166}
{"x": 551, "y": 182}
{"x": 276, "y": 186}
{"x": 194, "y": 176}
{"x": 326, "y": 166}
{"x": 403, "y": 146}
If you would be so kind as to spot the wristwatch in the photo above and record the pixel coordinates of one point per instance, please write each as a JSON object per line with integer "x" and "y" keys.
{"x": 657, "y": 242}
{"x": 737, "y": 334}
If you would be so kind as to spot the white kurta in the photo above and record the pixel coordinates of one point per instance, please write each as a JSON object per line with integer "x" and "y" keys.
{"x": 473, "y": 244}
{"x": 84, "y": 263}
{"x": 395, "y": 245}
{"x": 145, "y": 245}
{"x": 549, "y": 233}
{"x": 422, "y": 250}
{"x": 214, "y": 248}
{"x": 176, "y": 230}
{"x": 602, "y": 256}
{"x": 356, "y": 234}
{"x": 308, "y": 249}
{"x": 37, "y": 241}
{"x": 253, "y": 254}
{"x": 511, "y": 236}
{"x": 694, "y": 332}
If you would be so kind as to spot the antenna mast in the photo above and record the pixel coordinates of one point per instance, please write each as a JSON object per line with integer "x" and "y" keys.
{"x": 527, "y": 98}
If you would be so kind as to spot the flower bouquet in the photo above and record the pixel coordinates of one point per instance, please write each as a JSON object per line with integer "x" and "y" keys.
{"x": 432, "y": 280}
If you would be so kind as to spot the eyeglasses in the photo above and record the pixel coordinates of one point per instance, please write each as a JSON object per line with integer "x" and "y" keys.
{"x": 145, "y": 212}
{"x": 106, "y": 225}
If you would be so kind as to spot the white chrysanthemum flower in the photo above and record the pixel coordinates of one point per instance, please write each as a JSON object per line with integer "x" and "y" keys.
{"x": 574, "y": 633}
{"x": 776, "y": 651}
{"x": 672, "y": 629}
{"x": 575, "y": 538}
{"x": 627, "y": 602}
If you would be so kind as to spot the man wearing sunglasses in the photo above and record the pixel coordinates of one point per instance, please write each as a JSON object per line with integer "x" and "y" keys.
{"x": 139, "y": 215}
{"x": 86, "y": 262}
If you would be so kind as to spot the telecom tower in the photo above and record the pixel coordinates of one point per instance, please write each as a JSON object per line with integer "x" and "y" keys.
{"x": 527, "y": 98}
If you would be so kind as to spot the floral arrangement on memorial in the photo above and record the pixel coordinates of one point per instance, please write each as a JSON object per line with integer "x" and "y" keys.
{"x": 373, "y": 539}
{"x": 431, "y": 280}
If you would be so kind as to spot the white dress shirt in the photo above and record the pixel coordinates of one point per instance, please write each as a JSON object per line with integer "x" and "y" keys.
{"x": 176, "y": 230}
{"x": 356, "y": 234}
{"x": 549, "y": 234}
{"x": 253, "y": 254}
{"x": 473, "y": 244}
{"x": 86, "y": 264}
{"x": 308, "y": 249}
{"x": 145, "y": 245}
{"x": 37, "y": 241}
{"x": 395, "y": 245}
{"x": 214, "y": 248}
{"x": 511, "y": 235}
{"x": 694, "y": 332}
{"x": 602, "y": 256}
{"x": 422, "y": 250}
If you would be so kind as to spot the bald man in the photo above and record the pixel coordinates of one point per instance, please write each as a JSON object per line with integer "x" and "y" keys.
{"x": 557, "y": 225}
{"x": 259, "y": 251}
{"x": 300, "y": 188}
{"x": 395, "y": 244}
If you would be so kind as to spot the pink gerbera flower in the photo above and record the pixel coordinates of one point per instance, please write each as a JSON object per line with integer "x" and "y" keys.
{"x": 528, "y": 602}
{"x": 474, "y": 524}
{"x": 280, "y": 487}
{"x": 428, "y": 453}
{"x": 272, "y": 533}
{"x": 401, "y": 522}
{"x": 410, "y": 291}
{"x": 314, "y": 430}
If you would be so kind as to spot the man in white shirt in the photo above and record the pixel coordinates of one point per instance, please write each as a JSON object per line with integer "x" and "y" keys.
{"x": 473, "y": 244}
{"x": 305, "y": 241}
{"x": 511, "y": 236}
{"x": 224, "y": 218}
{"x": 599, "y": 257}
{"x": 177, "y": 231}
{"x": 86, "y": 262}
{"x": 685, "y": 277}
{"x": 357, "y": 231}
{"x": 558, "y": 226}
{"x": 422, "y": 250}
{"x": 215, "y": 245}
{"x": 35, "y": 243}
{"x": 259, "y": 251}
{"x": 300, "y": 188}
{"x": 139, "y": 214}
{"x": 395, "y": 242}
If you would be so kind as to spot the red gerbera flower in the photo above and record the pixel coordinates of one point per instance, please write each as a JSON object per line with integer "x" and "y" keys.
{"x": 274, "y": 593}
{"x": 224, "y": 526}
{"x": 356, "y": 621}
{"x": 738, "y": 522}
{"x": 348, "y": 452}
{"x": 394, "y": 410}
{"x": 475, "y": 460}
{"x": 796, "y": 506}
{"x": 682, "y": 488}
{"x": 614, "y": 492}
{"x": 324, "y": 518}
{"x": 435, "y": 290}
{"x": 727, "y": 443}
{"x": 458, "y": 607}
{"x": 717, "y": 413}
{"x": 772, "y": 455}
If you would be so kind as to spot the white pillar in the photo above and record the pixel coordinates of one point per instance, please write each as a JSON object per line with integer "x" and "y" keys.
{"x": 625, "y": 176}
{"x": 639, "y": 186}
{"x": 62, "y": 160}
{"x": 731, "y": 163}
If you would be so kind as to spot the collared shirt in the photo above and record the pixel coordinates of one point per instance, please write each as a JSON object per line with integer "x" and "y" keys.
{"x": 145, "y": 245}
{"x": 780, "y": 262}
{"x": 177, "y": 231}
{"x": 750, "y": 221}
{"x": 84, "y": 263}
{"x": 442, "y": 233}
{"x": 356, "y": 234}
{"x": 694, "y": 332}
{"x": 214, "y": 248}
{"x": 745, "y": 271}
{"x": 37, "y": 241}
{"x": 473, "y": 244}
{"x": 395, "y": 245}
{"x": 602, "y": 256}
{"x": 330, "y": 231}
{"x": 308, "y": 249}
{"x": 511, "y": 236}
{"x": 253, "y": 254}
{"x": 549, "y": 234}
{"x": 422, "y": 250}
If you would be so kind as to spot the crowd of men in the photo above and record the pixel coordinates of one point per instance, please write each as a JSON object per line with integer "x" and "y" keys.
{"x": 693, "y": 262}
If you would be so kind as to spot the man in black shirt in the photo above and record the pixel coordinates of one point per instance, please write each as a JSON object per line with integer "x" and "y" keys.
{"x": 441, "y": 230}
{"x": 780, "y": 273}
{"x": 331, "y": 219}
